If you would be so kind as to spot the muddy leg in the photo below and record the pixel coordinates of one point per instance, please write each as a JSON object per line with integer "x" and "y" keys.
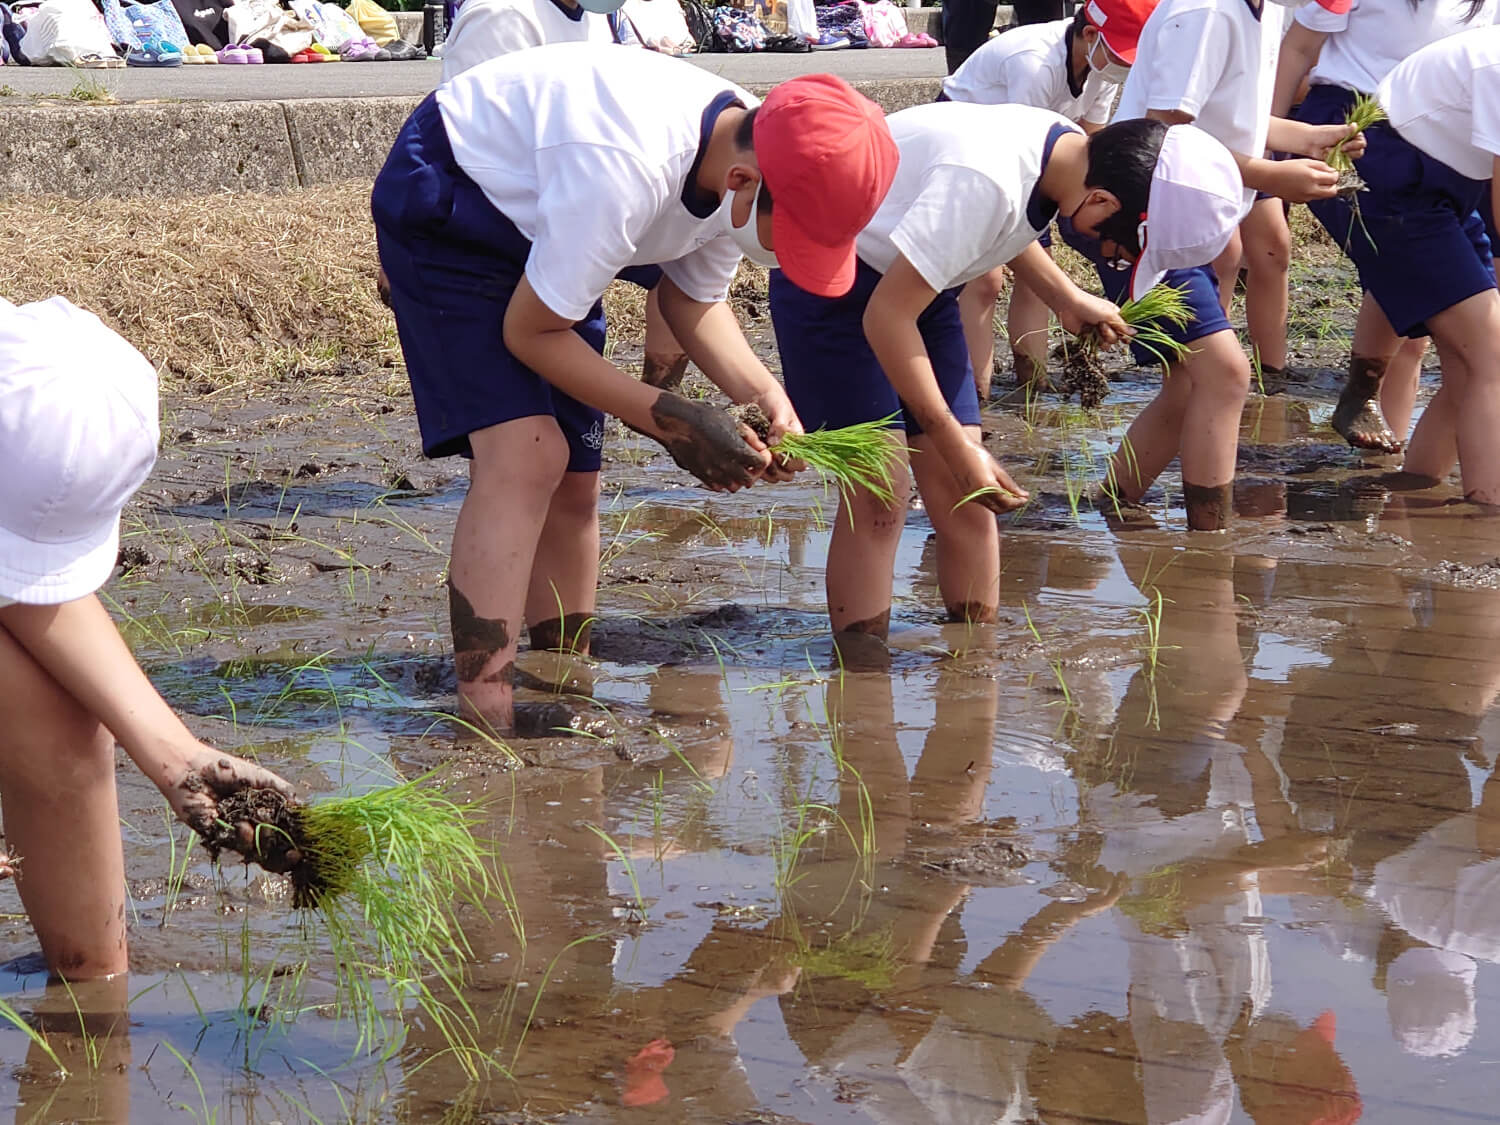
{"x": 861, "y": 561}
{"x": 976, "y": 306}
{"x": 968, "y": 540}
{"x": 62, "y": 820}
{"x": 1150, "y": 443}
{"x": 665, "y": 362}
{"x": 1357, "y": 417}
{"x": 517, "y": 467}
{"x": 1219, "y": 380}
{"x": 1026, "y": 324}
{"x": 563, "y": 590}
{"x": 1268, "y": 255}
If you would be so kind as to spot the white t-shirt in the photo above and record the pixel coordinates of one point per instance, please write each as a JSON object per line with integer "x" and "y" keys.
{"x": 1368, "y": 40}
{"x": 587, "y": 148}
{"x": 1215, "y": 60}
{"x": 961, "y": 203}
{"x": 487, "y": 29}
{"x": 1029, "y": 65}
{"x": 1445, "y": 99}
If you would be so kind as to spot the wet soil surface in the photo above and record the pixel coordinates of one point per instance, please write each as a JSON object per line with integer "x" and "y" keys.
{"x": 1204, "y": 829}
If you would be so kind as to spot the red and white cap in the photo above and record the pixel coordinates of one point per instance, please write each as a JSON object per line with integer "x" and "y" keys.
{"x": 1197, "y": 200}
{"x": 828, "y": 160}
{"x": 78, "y": 434}
{"x": 1119, "y": 23}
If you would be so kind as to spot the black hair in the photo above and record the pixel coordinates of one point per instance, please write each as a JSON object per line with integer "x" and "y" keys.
{"x": 744, "y": 139}
{"x": 1122, "y": 160}
{"x": 1474, "y": 8}
{"x": 1081, "y": 18}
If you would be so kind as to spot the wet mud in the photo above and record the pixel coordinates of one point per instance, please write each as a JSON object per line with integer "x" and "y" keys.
{"x": 1202, "y": 828}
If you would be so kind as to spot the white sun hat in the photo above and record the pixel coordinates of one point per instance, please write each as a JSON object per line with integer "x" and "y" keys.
{"x": 1197, "y": 200}
{"x": 78, "y": 435}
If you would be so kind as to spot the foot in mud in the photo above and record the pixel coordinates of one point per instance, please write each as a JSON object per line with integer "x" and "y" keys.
{"x": 556, "y": 719}
{"x": 1121, "y": 514}
{"x": 1357, "y": 417}
{"x": 859, "y": 651}
{"x": 1209, "y": 506}
{"x": 1031, "y": 374}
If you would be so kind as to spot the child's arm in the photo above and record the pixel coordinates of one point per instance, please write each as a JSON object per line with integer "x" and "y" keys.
{"x": 701, "y": 438}
{"x": 79, "y": 647}
{"x": 1299, "y": 52}
{"x": 1075, "y": 309}
{"x": 890, "y": 324}
{"x": 1296, "y": 181}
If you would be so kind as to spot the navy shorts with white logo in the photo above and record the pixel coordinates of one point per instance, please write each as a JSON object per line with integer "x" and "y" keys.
{"x": 832, "y": 376}
{"x": 1418, "y": 239}
{"x": 1199, "y": 285}
{"x": 454, "y": 261}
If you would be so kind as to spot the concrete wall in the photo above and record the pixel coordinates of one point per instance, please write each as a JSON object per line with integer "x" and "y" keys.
{"x": 189, "y": 148}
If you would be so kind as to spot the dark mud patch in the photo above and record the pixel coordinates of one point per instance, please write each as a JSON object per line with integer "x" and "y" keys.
{"x": 260, "y": 499}
{"x": 278, "y": 842}
{"x": 1302, "y": 459}
{"x": 1083, "y": 374}
{"x": 730, "y": 629}
{"x": 1346, "y": 501}
{"x": 991, "y": 861}
{"x": 754, "y": 417}
{"x": 1350, "y": 184}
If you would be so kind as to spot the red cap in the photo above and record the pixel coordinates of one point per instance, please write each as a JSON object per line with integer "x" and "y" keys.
{"x": 1337, "y": 7}
{"x": 828, "y": 159}
{"x": 1119, "y": 23}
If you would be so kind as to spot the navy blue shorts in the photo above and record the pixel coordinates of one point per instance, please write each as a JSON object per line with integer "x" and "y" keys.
{"x": 832, "y": 376}
{"x": 1418, "y": 239}
{"x": 453, "y": 262}
{"x": 646, "y": 277}
{"x": 1199, "y": 285}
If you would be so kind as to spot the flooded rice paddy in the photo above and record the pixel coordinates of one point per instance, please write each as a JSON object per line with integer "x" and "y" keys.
{"x": 1205, "y": 830}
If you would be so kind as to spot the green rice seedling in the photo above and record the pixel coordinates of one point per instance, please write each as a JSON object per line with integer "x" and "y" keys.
{"x": 386, "y": 873}
{"x": 1163, "y": 304}
{"x": 1365, "y": 111}
{"x": 859, "y": 456}
{"x": 869, "y": 959}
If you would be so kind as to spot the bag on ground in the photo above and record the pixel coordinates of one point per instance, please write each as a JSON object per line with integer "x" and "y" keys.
{"x": 64, "y": 32}
{"x": 738, "y": 30}
{"x": 267, "y": 24}
{"x": 884, "y": 25}
{"x": 157, "y": 24}
{"x": 659, "y": 25}
{"x": 377, "y": 23}
{"x": 121, "y": 30}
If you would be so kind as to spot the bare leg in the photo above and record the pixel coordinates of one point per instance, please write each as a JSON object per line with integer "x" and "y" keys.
{"x": 1434, "y": 447}
{"x": 976, "y": 306}
{"x": 1468, "y": 339}
{"x": 1026, "y": 324}
{"x": 1150, "y": 443}
{"x": 62, "y": 820}
{"x": 861, "y": 562}
{"x": 1268, "y": 258}
{"x": 563, "y": 591}
{"x": 517, "y": 468}
{"x": 968, "y": 540}
{"x": 665, "y": 362}
{"x": 1357, "y": 416}
{"x": 1398, "y": 390}
{"x": 1227, "y": 269}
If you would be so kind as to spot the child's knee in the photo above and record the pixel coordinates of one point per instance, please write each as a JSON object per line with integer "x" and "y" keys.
{"x": 531, "y": 457}
{"x": 576, "y": 498}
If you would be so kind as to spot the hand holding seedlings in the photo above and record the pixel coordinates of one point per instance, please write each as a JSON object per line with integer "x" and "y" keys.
{"x": 1096, "y": 315}
{"x": 1365, "y": 112}
{"x": 217, "y": 797}
{"x": 861, "y": 456}
{"x": 984, "y": 482}
{"x": 706, "y": 442}
{"x": 1084, "y": 372}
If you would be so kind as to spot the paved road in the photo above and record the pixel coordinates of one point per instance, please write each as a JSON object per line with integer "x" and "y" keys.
{"x": 359, "y": 80}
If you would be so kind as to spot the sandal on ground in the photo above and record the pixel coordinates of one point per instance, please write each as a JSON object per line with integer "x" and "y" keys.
{"x": 157, "y": 57}
{"x": 233, "y": 55}
{"x": 94, "y": 61}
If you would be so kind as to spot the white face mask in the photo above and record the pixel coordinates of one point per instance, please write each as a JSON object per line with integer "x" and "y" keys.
{"x": 747, "y": 237}
{"x": 1109, "y": 70}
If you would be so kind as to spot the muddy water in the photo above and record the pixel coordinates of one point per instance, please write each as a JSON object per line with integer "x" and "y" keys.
{"x": 1204, "y": 830}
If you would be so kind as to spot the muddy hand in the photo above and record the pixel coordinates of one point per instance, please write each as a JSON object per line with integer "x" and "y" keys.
{"x": 708, "y": 443}
{"x": 213, "y": 776}
{"x": 982, "y": 481}
{"x": 1088, "y": 313}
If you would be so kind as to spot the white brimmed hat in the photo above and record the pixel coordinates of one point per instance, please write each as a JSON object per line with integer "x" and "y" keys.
{"x": 1197, "y": 200}
{"x": 1429, "y": 997}
{"x": 78, "y": 435}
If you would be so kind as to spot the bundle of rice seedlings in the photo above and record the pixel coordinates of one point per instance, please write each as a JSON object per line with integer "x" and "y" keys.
{"x": 1162, "y": 305}
{"x": 386, "y": 873}
{"x": 860, "y": 456}
{"x": 1362, "y": 114}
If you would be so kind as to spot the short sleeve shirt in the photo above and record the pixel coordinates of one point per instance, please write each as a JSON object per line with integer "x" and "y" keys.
{"x": 1365, "y": 43}
{"x": 965, "y": 198}
{"x": 1445, "y": 100}
{"x": 589, "y": 150}
{"x": 1029, "y": 65}
{"x": 487, "y": 29}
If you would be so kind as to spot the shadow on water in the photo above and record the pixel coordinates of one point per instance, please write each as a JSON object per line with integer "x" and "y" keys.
{"x": 1205, "y": 830}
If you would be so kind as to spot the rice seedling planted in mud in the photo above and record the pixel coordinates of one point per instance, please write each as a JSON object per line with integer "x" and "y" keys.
{"x": 860, "y": 456}
{"x": 1161, "y": 306}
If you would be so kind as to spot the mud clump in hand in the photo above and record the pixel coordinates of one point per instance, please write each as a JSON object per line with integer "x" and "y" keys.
{"x": 1083, "y": 373}
{"x": 1350, "y": 184}
{"x": 277, "y": 840}
{"x": 752, "y": 416}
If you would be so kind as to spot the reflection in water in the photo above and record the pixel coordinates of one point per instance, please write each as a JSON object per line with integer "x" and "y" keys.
{"x": 1177, "y": 842}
